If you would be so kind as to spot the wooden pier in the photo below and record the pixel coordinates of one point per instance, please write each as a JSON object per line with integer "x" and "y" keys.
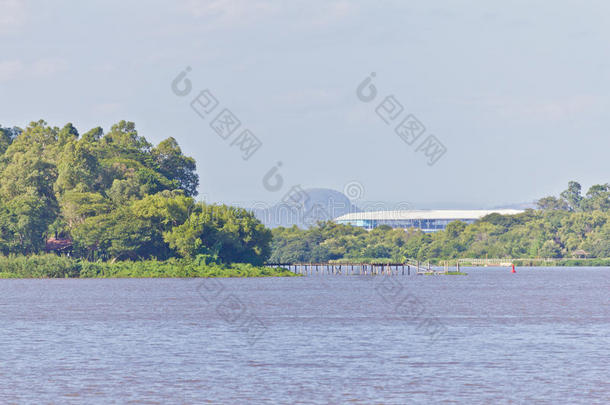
{"x": 362, "y": 269}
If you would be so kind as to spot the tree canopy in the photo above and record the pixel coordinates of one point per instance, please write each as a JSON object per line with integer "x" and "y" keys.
{"x": 114, "y": 196}
{"x": 597, "y": 198}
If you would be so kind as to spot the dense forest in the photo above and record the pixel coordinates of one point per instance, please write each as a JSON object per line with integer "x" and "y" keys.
{"x": 113, "y": 196}
{"x": 566, "y": 226}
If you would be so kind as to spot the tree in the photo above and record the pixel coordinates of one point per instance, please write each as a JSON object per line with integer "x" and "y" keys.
{"x": 233, "y": 234}
{"x": 454, "y": 229}
{"x": 27, "y": 194}
{"x": 93, "y": 136}
{"x": 77, "y": 206}
{"x": 550, "y": 249}
{"x": 168, "y": 208}
{"x": 552, "y": 203}
{"x": 118, "y": 234}
{"x": 175, "y": 166}
{"x": 572, "y": 196}
{"x": 38, "y": 135}
{"x": 123, "y": 140}
{"x": 78, "y": 168}
{"x": 7, "y": 135}
{"x": 598, "y": 197}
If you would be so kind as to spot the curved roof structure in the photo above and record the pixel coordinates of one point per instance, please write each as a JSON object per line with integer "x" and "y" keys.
{"x": 424, "y": 214}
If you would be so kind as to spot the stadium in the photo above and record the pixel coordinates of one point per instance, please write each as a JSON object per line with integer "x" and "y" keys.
{"x": 425, "y": 220}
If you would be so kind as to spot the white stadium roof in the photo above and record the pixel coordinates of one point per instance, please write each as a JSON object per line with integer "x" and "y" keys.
{"x": 424, "y": 214}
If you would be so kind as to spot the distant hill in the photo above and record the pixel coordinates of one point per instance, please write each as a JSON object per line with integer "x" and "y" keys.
{"x": 320, "y": 204}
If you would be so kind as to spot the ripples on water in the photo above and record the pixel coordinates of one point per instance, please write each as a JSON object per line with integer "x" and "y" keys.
{"x": 538, "y": 336}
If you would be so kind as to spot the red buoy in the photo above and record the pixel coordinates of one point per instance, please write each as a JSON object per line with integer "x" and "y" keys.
{"x": 513, "y": 270}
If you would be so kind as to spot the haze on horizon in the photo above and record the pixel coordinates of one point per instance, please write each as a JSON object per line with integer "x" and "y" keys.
{"x": 519, "y": 96}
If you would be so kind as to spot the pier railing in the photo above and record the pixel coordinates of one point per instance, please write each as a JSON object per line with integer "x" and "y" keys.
{"x": 410, "y": 267}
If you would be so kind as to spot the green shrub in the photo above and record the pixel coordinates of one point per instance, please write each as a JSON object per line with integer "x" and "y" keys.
{"x": 40, "y": 266}
{"x": 53, "y": 266}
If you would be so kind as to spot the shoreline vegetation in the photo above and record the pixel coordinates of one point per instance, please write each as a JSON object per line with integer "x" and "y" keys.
{"x": 53, "y": 266}
{"x": 602, "y": 262}
{"x": 112, "y": 204}
{"x": 477, "y": 262}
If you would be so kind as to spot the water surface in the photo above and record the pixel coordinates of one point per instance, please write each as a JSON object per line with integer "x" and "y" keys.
{"x": 539, "y": 336}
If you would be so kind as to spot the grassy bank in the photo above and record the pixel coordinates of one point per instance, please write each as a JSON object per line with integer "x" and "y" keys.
{"x": 464, "y": 262}
{"x": 577, "y": 263}
{"x": 52, "y": 266}
{"x": 542, "y": 262}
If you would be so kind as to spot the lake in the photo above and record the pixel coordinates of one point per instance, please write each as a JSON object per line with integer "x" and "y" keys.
{"x": 541, "y": 335}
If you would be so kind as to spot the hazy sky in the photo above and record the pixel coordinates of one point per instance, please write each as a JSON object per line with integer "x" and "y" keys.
{"x": 517, "y": 92}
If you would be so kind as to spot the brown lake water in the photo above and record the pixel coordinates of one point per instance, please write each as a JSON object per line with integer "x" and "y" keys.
{"x": 539, "y": 336}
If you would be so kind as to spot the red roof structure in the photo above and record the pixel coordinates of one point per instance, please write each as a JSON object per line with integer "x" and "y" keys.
{"x": 58, "y": 245}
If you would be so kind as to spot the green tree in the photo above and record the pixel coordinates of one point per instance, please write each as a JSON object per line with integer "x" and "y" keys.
{"x": 27, "y": 194}
{"x": 6, "y": 137}
{"x": 598, "y": 197}
{"x": 78, "y": 168}
{"x": 233, "y": 234}
{"x": 572, "y": 196}
{"x": 118, "y": 235}
{"x": 550, "y": 249}
{"x": 77, "y": 206}
{"x": 552, "y": 203}
{"x": 175, "y": 166}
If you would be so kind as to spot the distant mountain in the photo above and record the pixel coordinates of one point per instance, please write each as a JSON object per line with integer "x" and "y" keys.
{"x": 305, "y": 207}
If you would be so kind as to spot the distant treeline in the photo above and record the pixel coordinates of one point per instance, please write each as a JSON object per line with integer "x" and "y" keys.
{"x": 571, "y": 225}
{"x": 113, "y": 196}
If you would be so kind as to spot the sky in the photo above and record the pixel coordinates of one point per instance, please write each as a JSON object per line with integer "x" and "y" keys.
{"x": 515, "y": 95}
